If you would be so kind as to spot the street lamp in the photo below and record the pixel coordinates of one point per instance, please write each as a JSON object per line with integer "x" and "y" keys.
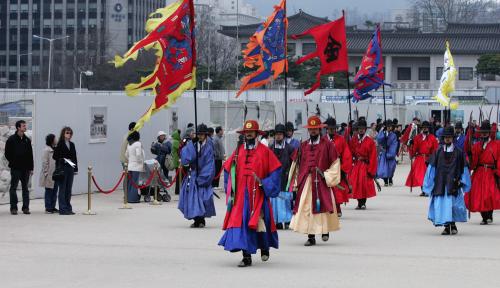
{"x": 208, "y": 80}
{"x": 87, "y": 73}
{"x": 50, "y": 52}
{"x": 19, "y": 69}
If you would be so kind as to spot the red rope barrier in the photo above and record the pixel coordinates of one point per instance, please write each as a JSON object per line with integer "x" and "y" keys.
{"x": 167, "y": 186}
{"x": 143, "y": 186}
{"x": 108, "y": 191}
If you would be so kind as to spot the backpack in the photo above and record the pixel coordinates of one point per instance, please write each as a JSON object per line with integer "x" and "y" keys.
{"x": 169, "y": 162}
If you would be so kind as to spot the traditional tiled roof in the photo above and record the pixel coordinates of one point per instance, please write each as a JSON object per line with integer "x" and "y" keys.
{"x": 461, "y": 28}
{"x": 472, "y": 39}
{"x": 297, "y": 24}
{"x": 427, "y": 44}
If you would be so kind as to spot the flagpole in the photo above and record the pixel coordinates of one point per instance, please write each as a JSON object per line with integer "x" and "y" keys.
{"x": 237, "y": 42}
{"x": 349, "y": 95}
{"x": 286, "y": 71}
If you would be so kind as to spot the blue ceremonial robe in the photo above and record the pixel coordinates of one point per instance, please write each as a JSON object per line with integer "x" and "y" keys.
{"x": 447, "y": 208}
{"x": 388, "y": 146}
{"x": 293, "y": 142}
{"x": 459, "y": 141}
{"x": 196, "y": 195}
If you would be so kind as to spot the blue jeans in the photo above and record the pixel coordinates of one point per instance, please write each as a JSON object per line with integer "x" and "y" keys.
{"x": 65, "y": 190}
{"x": 132, "y": 192}
{"x": 50, "y": 198}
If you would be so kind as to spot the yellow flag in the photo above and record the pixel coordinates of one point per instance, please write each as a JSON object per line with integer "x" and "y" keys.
{"x": 447, "y": 84}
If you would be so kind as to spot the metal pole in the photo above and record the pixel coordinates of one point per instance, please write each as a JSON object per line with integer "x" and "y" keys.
{"x": 50, "y": 62}
{"x": 125, "y": 191}
{"x": 80, "y": 82}
{"x": 209, "y": 52}
{"x": 157, "y": 183}
{"x": 19, "y": 71}
{"x": 89, "y": 193}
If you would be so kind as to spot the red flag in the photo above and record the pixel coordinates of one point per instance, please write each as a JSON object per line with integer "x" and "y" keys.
{"x": 331, "y": 49}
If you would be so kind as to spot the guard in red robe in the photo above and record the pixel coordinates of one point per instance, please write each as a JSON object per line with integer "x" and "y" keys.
{"x": 342, "y": 190}
{"x": 420, "y": 148}
{"x": 484, "y": 195}
{"x": 252, "y": 177}
{"x": 318, "y": 171}
{"x": 364, "y": 171}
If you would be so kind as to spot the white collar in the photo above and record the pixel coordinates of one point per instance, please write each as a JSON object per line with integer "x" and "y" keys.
{"x": 486, "y": 143}
{"x": 279, "y": 146}
{"x": 363, "y": 138}
{"x": 448, "y": 148}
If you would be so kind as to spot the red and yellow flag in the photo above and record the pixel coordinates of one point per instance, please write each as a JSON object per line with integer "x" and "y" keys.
{"x": 172, "y": 36}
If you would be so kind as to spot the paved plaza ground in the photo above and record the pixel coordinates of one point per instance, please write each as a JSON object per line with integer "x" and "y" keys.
{"x": 391, "y": 244}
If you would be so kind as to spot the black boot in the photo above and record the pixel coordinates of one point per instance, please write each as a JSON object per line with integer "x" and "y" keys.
{"x": 246, "y": 261}
{"x": 264, "y": 255}
{"x": 485, "y": 216}
{"x": 490, "y": 217}
{"x": 325, "y": 237}
{"x": 447, "y": 230}
{"x": 311, "y": 241}
{"x": 454, "y": 229}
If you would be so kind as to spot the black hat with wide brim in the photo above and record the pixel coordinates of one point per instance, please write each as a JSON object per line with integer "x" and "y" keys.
{"x": 485, "y": 127}
{"x": 448, "y": 132}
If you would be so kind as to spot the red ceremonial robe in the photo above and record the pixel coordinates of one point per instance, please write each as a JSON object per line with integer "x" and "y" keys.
{"x": 420, "y": 151}
{"x": 342, "y": 196}
{"x": 361, "y": 178}
{"x": 485, "y": 194}
{"x": 262, "y": 162}
{"x": 322, "y": 156}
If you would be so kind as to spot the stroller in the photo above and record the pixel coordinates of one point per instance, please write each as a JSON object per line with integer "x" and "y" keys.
{"x": 149, "y": 191}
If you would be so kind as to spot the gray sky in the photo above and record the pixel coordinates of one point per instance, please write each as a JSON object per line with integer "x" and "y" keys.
{"x": 326, "y": 7}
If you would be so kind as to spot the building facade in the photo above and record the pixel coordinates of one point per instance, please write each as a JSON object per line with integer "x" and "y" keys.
{"x": 89, "y": 32}
{"x": 413, "y": 59}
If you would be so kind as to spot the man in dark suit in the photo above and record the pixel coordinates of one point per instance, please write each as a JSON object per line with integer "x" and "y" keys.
{"x": 19, "y": 153}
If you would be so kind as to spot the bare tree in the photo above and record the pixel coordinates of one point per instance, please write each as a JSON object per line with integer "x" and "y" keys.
{"x": 213, "y": 49}
{"x": 451, "y": 11}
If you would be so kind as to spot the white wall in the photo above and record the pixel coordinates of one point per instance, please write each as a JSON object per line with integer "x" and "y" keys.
{"x": 55, "y": 110}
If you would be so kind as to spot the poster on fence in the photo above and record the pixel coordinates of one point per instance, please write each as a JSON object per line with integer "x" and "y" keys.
{"x": 98, "y": 124}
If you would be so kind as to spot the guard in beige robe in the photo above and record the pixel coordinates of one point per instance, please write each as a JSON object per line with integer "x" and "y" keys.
{"x": 316, "y": 169}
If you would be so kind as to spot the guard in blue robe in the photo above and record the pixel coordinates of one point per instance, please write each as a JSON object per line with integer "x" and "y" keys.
{"x": 290, "y": 129}
{"x": 459, "y": 139}
{"x": 388, "y": 149}
{"x": 446, "y": 180}
{"x": 282, "y": 205}
{"x": 196, "y": 197}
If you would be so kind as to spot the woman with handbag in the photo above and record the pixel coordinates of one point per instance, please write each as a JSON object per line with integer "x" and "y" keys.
{"x": 67, "y": 167}
{"x": 135, "y": 157}
{"x": 48, "y": 168}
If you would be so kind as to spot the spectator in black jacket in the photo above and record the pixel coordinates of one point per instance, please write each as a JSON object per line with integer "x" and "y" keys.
{"x": 65, "y": 156}
{"x": 19, "y": 153}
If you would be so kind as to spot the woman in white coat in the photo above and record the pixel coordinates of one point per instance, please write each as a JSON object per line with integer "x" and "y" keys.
{"x": 48, "y": 167}
{"x": 135, "y": 157}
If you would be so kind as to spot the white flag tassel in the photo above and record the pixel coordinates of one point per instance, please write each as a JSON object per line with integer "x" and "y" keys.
{"x": 447, "y": 84}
